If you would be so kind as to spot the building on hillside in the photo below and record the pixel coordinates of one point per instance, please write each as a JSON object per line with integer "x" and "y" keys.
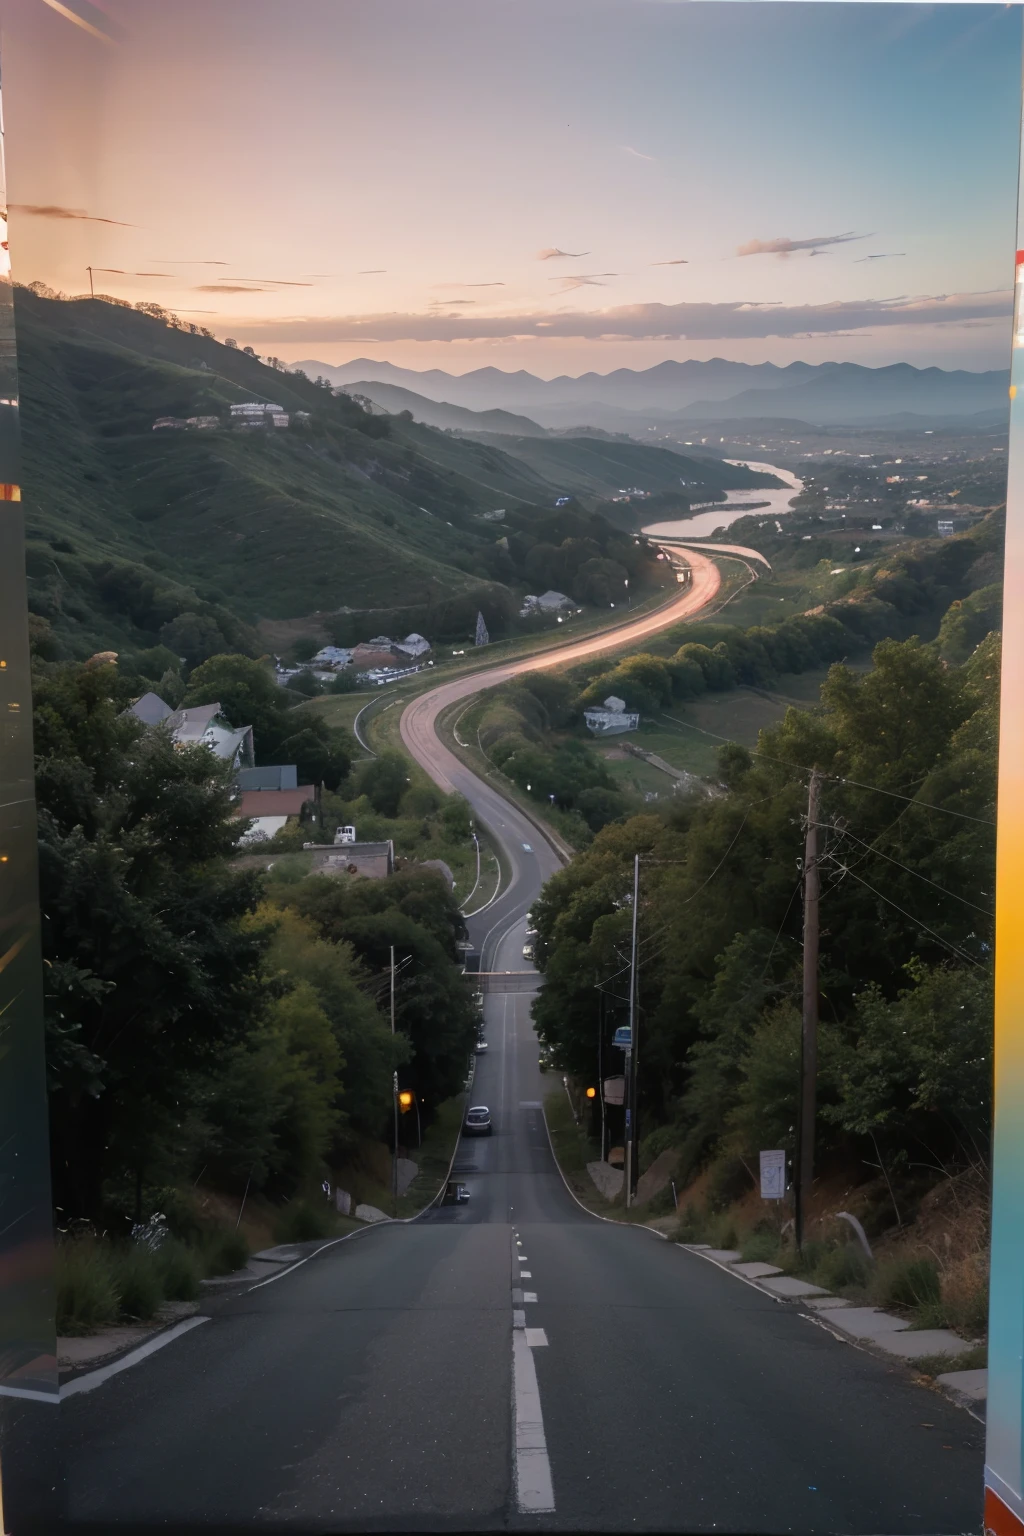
{"x": 279, "y": 419}
{"x": 612, "y": 720}
{"x": 204, "y": 725}
{"x": 411, "y": 648}
{"x": 548, "y": 602}
{"x": 277, "y": 802}
{"x": 372, "y": 655}
{"x": 199, "y": 725}
{"x": 151, "y": 709}
{"x": 373, "y": 861}
{"x": 332, "y": 656}
{"x": 204, "y": 423}
{"x": 257, "y": 408}
{"x": 946, "y": 529}
{"x": 172, "y": 423}
{"x": 276, "y": 776}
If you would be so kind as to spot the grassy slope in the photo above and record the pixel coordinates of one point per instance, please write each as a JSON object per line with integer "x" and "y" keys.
{"x": 594, "y": 467}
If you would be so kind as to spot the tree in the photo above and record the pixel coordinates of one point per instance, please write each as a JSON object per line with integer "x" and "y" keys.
{"x": 383, "y": 781}
{"x": 151, "y": 971}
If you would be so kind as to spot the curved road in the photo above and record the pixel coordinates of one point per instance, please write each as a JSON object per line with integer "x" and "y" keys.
{"x": 515, "y": 1363}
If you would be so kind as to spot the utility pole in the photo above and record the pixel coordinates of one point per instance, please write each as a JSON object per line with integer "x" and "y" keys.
{"x": 92, "y": 291}
{"x": 809, "y": 1034}
{"x": 394, "y": 1155}
{"x": 600, "y": 1064}
{"x": 392, "y": 989}
{"x": 630, "y": 1065}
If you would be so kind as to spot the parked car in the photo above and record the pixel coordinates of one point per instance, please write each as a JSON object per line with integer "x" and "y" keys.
{"x": 455, "y": 1194}
{"x": 528, "y": 952}
{"x": 478, "y": 1121}
{"x": 481, "y": 1045}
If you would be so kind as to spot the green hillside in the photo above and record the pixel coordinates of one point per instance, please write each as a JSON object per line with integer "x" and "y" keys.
{"x": 596, "y": 467}
{"x": 438, "y": 413}
{"x": 343, "y": 513}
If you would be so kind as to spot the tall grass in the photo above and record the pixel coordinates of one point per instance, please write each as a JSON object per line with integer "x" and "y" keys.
{"x": 101, "y": 1283}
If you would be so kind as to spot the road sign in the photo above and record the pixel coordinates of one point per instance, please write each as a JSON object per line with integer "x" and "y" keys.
{"x": 623, "y": 1038}
{"x": 773, "y": 1175}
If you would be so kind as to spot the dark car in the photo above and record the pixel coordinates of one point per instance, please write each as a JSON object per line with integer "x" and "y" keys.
{"x": 478, "y": 1121}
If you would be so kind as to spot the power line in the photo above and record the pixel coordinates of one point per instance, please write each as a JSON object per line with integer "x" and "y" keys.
{"x": 960, "y": 953}
{"x": 871, "y": 849}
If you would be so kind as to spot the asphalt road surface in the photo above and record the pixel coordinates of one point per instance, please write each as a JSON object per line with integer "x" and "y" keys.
{"x": 515, "y": 1363}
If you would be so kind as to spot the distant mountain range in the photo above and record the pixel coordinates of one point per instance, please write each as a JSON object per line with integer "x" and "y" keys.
{"x": 685, "y": 394}
{"x": 439, "y": 413}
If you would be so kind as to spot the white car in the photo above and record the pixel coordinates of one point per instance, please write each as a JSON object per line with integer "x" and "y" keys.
{"x": 478, "y": 1121}
{"x": 527, "y": 848}
{"x": 528, "y": 952}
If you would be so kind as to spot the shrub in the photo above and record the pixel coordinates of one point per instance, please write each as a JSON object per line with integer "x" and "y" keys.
{"x": 761, "y": 1247}
{"x": 729, "y": 1181}
{"x": 301, "y": 1222}
{"x": 86, "y": 1294}
{"x": 840, "y": 1267}
{"x": 223, "y": 1251}
{"x": 179, "y": 1271}
{"x": 691, "y": 1225}
{"x": 964, "y": 1293}
{"x": 906, "y": 1282}
{"x": 136, "y": 1276}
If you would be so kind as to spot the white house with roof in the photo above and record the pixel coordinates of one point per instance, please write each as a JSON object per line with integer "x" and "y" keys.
{"x": 199, "y": 725}
{"x": 611, "y": 720}
{"x": 412, "y": 647}
{"x": 548, "y": 602}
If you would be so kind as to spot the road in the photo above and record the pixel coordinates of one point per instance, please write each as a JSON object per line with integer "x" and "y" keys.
{"x": 382, "y": 1386}
{"x": 515, "y": 1363}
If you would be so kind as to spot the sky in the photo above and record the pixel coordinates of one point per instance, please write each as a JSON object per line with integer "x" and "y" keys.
{"x": 557, "y": 185}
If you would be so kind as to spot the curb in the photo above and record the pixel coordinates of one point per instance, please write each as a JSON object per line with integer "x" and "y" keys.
{"x": 866, "y": 1346}
{"x": 627, "y": 1225}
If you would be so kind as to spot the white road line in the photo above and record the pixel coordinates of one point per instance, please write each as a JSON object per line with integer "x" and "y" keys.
{"x": 518, "y": 1318}
{"x": 536, "y": 1337}
{"x": 30, "y": 1394}
{"x": 97, "y": 1378}
{"x": 534, "y": 1492}
{"x": 523, "y": 1259}
{"x": 529, "y": 1296}
{"x": 524, "y": 1274}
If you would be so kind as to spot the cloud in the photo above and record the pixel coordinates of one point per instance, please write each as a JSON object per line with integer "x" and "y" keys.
{"x": 371, "y": 271}
{"x": 229, "y": 288}
{"x": 581, "y": 280}
{"x": 89, "y": 18}
{"x": 171, "y": 261}
{"x": 278, "y": 282}
{"x": 469, "y": 285}
{"x": 882, "y": 256}
{"x": 737, "y": 320}
{"x": 57, "y": 211}
{"x": 786, "y": 247}
{"x": 627, "y": 149}
{"x": 677, "y": 261}
{"x": 447, "y": 303}
{"x": 120, "y": 272}
{"x": 553, "y": 253}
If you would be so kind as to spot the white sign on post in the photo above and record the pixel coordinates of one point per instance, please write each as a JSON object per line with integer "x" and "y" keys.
{"x": 773, "y": 1175}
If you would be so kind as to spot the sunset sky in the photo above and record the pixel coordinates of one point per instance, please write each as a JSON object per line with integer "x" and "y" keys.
{"x": 333, "y": 178}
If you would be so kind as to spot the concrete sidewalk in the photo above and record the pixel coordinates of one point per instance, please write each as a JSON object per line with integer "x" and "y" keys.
{"x": 865, "y": 1326}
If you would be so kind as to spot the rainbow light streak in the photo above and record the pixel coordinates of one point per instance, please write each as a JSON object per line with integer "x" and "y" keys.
{"x": 1004, "y": 1451}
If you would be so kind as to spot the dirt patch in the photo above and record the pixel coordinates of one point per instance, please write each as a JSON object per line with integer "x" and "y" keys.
{"x": 280, "y": 634}
{"x": 614, "y": 754}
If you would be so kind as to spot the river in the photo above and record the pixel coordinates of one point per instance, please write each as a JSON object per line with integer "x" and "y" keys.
{"x": 735, "y": 505}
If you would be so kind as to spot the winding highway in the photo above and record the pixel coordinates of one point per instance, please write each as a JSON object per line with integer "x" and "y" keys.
{"x": 516, "y": 1363}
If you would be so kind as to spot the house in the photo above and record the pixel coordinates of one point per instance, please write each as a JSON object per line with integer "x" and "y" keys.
{"x": 175, "y": 423}
{"x": 612, "y": 720}
{"x": 199, "y": 725}
{"x": 151, "y": 709}
{"x": 204, "y": 423}
{"x": 371, "y": 656}
{"x": 256, "y": 410}
{"x": 946, "y": 529}
{"x": 374, "y": 861}
{"x": 277, "y": 776}
{"x": 204, "y": 725}
{"x": 332, "y": 656}
{"x": 275, "y": 802}
{"x": 411, "y": 648}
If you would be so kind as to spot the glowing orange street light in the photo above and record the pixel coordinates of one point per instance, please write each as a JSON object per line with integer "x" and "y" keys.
{"x": 405, "y": 1100}
{"x": 591, "y": 1093}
